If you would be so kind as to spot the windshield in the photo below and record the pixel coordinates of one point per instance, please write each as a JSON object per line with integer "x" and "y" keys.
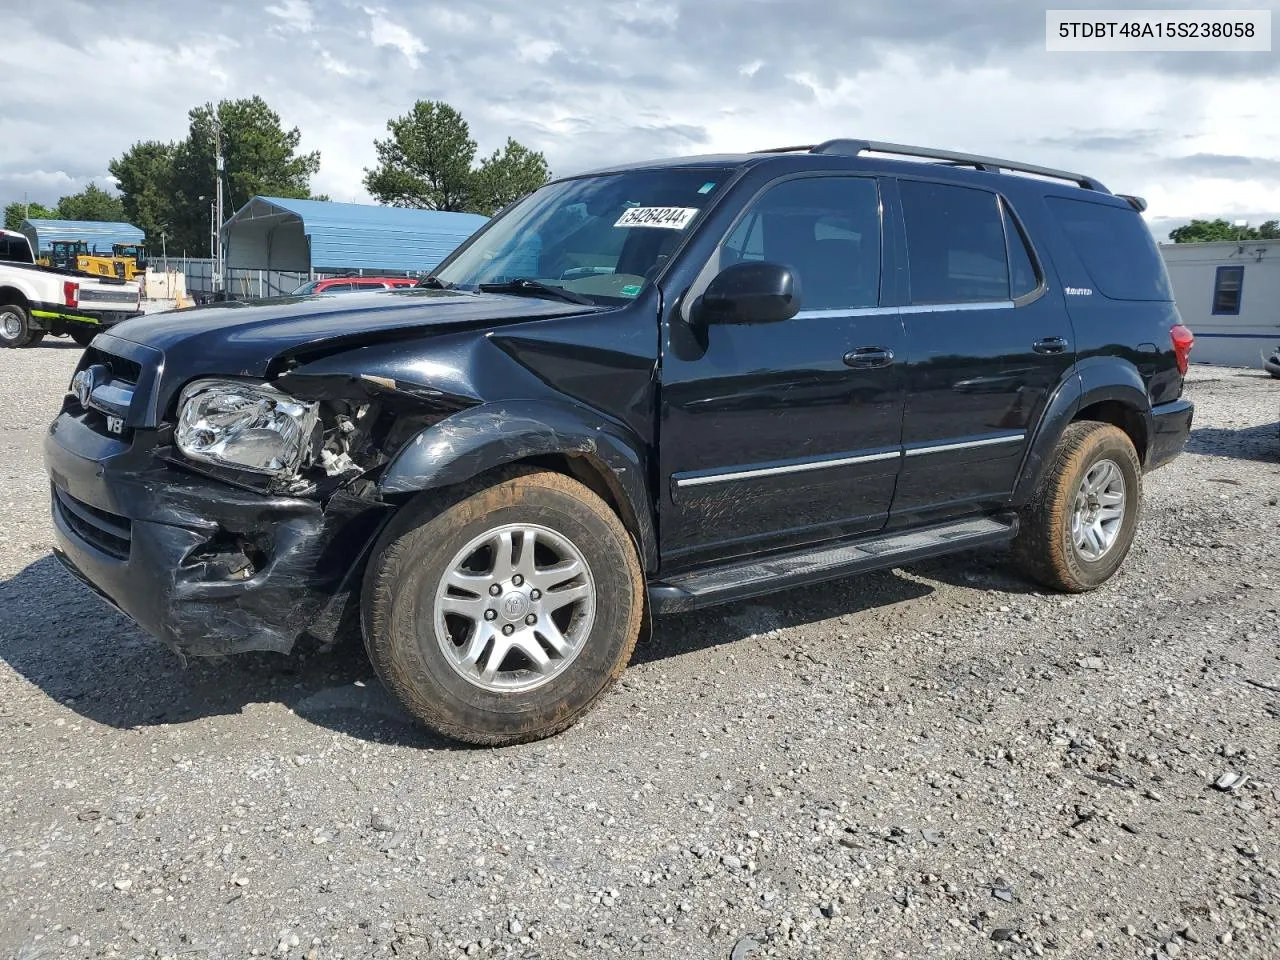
{"x": 306, "y": 289}
{"x": 601, "y": 237}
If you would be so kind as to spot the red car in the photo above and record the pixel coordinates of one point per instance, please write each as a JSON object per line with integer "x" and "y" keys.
{"x": 352, "y": 285}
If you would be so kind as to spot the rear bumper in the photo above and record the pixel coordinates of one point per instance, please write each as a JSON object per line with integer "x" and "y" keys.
{"x": 1170, "y": 429}
{"x": 207, "y": 568}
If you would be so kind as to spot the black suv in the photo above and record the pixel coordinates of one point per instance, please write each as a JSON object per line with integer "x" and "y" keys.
{"x": 650, "y": 388}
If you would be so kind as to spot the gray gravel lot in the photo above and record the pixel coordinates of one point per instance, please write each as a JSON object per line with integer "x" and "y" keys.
{"x": 936, "y": 761}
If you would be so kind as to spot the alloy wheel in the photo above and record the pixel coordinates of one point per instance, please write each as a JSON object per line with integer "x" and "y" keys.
{"x": 514, "y": 608}
{"x": 1098, "y": 511}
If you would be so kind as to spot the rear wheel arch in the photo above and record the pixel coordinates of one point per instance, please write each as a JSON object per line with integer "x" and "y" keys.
{"x": 14, "y": 295}
{"x": 1123, "y": 414}
{"x": 1105, "y": 389}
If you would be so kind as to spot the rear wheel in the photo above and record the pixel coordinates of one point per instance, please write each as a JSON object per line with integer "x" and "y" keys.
{"x": 501, "y": 614}
{"x": 82, "y": 336}
{"x": 1078, "y": 529}
{"x": 15, "y": 327}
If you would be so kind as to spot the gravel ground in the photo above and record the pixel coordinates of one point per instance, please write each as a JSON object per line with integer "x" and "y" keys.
{"x": 929, "y": 762}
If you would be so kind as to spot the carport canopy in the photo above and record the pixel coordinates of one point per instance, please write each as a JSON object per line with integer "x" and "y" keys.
{"x": 99, "y": 236}
{"x": 305, "y": 236}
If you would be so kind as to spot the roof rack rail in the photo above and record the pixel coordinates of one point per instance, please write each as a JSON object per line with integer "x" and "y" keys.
{"x": 805, "y": 148}
{"x": 990, "y": 164}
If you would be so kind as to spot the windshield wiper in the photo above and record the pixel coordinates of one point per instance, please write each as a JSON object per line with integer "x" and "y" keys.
{"x": 534, "y": 288}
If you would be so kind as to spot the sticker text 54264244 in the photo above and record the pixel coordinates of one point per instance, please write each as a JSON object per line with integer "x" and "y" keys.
{"x": 667, "y": 218}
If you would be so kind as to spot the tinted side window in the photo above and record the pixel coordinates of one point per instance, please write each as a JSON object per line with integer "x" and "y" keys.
{"x": 827, "y": 229}
{"x": 1228, "y": 284}
{"x": 1115, "y": 247}
{"x": 1024, "y": 278}
{"x": 955, "y": 243}
{"x": 337, "y": 288}
{"x": 14, "y": 250}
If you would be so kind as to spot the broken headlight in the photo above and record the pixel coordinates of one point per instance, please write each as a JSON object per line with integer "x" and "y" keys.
{"x": 246, "y": 426}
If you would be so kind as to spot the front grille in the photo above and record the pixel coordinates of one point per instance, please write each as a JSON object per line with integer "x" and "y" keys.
{"x": 105, "y": 531}
{"x": 120, "y": 367}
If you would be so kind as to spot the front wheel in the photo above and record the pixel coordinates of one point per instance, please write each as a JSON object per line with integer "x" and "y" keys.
{"x": 501, "y": 614}
{"x": 1077, "y": 530}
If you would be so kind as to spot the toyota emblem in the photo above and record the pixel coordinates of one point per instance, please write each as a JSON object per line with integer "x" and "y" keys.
{"x": 86, "y": 381}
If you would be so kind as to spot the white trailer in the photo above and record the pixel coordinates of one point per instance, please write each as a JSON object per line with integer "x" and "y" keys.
{"x": 1228, "y": 293}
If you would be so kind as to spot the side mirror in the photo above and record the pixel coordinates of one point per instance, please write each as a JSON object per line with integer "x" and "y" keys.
{"x": 751, "y": 293}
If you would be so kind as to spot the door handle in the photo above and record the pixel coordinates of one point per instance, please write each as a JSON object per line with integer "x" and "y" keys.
{"x": 869, "y": 358}
{"x": 1050, "y": 345}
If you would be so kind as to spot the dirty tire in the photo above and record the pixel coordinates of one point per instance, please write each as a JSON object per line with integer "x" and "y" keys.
{"x": 1044, "y": 548}
{"x": 416, "y": 552}
{"x": 83, "y": 337}
{"x": 15, "y": 327}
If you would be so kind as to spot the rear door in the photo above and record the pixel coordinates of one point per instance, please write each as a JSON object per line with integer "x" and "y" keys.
{"x": 988, "y": 342}
{"x": 784, "y": 433}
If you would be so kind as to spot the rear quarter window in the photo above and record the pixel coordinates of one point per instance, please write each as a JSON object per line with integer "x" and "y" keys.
{"x": 1115, "y": 247}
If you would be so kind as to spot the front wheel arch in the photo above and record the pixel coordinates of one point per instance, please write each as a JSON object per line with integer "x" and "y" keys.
{"x": 564, "y": 438}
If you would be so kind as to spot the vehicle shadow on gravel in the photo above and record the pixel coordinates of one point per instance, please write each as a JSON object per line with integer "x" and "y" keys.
{"x": 718, "y": 626}
{"x": 81, "y": 653}
{"x": 1261, "y": 443}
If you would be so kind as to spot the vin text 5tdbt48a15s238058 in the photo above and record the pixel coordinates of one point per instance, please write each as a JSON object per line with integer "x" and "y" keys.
{"x": 664, "y": 386}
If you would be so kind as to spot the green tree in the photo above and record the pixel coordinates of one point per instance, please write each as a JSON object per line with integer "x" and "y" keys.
{"x": 428, "y": 162}
{"x": 91, "y": 203}
{"x": 506, "y": 176}
{"x": 16, "y": 212}
{"x": 1202, "y": 231}
{"x": 170, "y": 187}
{"x": 145, "y": 177}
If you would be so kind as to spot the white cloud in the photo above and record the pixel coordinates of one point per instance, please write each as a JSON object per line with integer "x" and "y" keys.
{"x": 635, "y": 79}
{"x": 385, "y": 32}
{"x": 295, "y": 14}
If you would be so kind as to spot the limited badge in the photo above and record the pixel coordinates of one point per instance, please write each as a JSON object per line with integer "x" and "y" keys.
{"x": 665, "y": 218}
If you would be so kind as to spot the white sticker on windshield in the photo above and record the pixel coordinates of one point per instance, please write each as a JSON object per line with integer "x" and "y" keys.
{"x": 667, "y": 218}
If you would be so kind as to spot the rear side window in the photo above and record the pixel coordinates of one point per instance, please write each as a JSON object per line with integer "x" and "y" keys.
{"x": 1024, "y": 279}
{"x": 14, "y": 249}
{"x": 1228, "y": 284}
{"x": 955, "y": 243}
{"x": 1115, "y": 247}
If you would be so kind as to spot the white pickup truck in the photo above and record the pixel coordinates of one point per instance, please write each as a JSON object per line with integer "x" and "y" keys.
{"x": 36, "y": 300}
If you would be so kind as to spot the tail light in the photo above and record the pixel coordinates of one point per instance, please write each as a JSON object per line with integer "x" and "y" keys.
{"x": 1183, "y": 339}
{"x": 71, "y": 293}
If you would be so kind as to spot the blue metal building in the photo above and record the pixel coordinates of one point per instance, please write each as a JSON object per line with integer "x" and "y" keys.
{"x": 98, "y": 235}
{"x": 318, "y": 236}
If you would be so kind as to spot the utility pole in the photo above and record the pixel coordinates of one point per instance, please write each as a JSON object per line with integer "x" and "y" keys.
{"x": 218, "y": 264}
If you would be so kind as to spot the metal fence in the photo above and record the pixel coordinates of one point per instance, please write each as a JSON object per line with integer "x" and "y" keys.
{"x": 242, "y": 283}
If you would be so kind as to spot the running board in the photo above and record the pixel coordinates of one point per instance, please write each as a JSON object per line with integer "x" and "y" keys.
{"x": 750, "y": 578}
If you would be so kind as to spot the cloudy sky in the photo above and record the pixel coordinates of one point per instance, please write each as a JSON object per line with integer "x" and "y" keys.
{"x": 592, "y": 82}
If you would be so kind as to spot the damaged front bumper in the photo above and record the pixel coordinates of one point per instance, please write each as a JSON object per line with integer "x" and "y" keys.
{"x": 206, "y": 567}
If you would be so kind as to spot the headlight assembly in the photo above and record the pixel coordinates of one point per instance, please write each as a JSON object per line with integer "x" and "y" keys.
{"x": 245, "y": 426}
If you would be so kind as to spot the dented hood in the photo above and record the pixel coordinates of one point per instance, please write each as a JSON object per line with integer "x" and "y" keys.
{"x": 243, "y": 338}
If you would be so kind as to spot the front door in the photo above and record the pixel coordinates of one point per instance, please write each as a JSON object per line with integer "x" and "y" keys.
{"x": 784, "y": 433}
{"x": 988, "y": 343}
